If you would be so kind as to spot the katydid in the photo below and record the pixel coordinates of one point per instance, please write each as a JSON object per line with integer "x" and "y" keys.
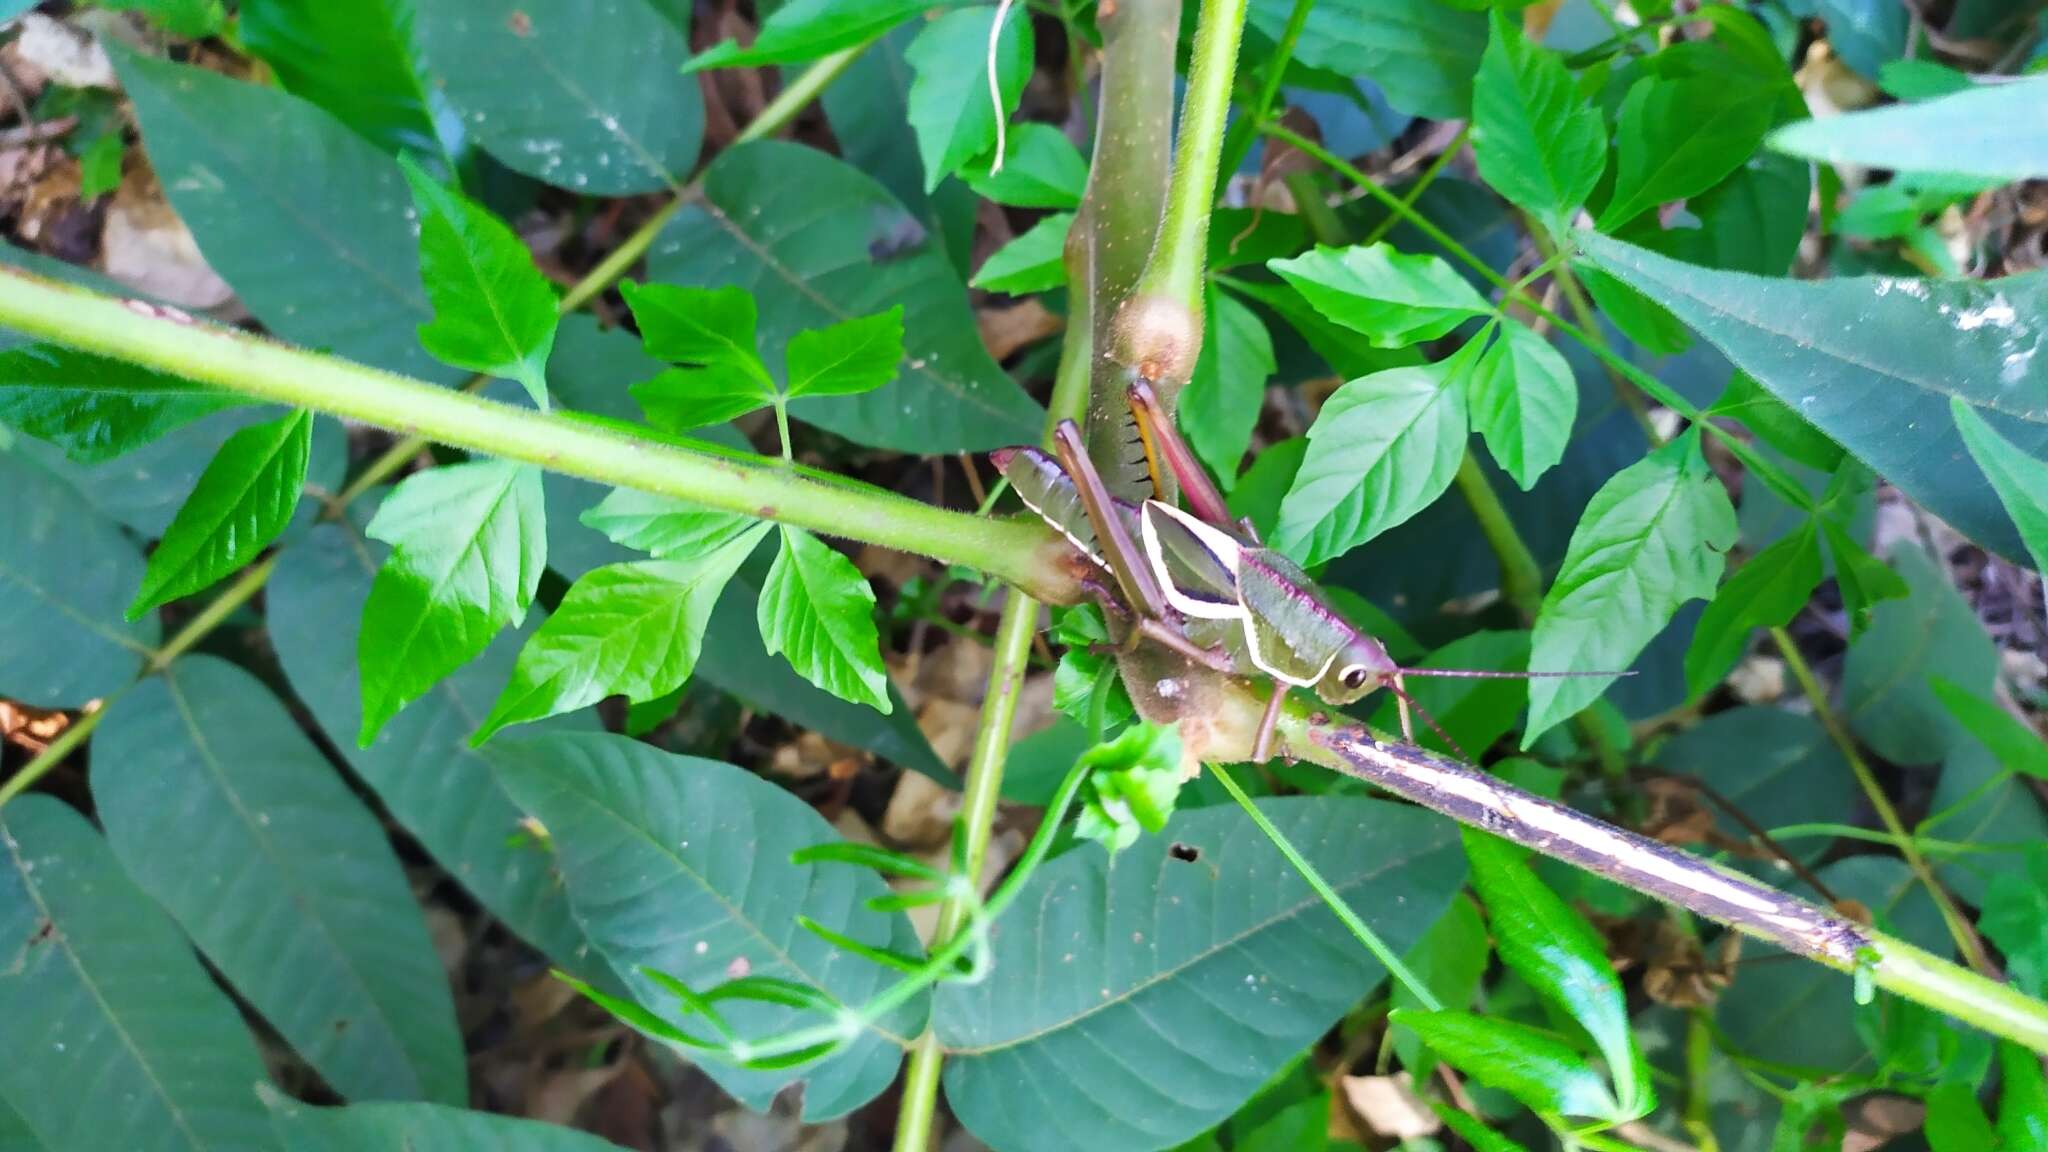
{"x": 1203, "y": 585}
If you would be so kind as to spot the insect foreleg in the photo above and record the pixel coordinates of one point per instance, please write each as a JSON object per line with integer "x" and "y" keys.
{"x": 1163, "y": 444}
{"x": 1126, "y": 563}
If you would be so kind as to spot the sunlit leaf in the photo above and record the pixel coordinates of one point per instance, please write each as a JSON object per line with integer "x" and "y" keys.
{"x": 857, "y": 356}
{"x": 1033, "y": 262}
{"x": 1042, "y": 169}
{"x": 1678, "y": 138}
{"x": 1394, "y": 299}
{"x": 682, "y": 400}
{"x": 1536, "y": 139}
{"x": 1991, "y": 131}
{"x": 818, "y": 611}
{"x": 93, "y": 407}
{"x": 807, "y": 29}
{"x": 1523, "y": 398}
{"x": 664, "y": 527}
{"x": 243, "y": 500}
{"x": 1766, "y": 592}
{"x": 950, "y": 104}
{"x": 1534, "y": 1067}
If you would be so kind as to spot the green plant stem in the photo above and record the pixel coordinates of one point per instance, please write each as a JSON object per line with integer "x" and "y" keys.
{"x": 1413, "y": 195}
{"x": 1014, "y": 631}
{"x": 1358, "y": 928}
{"x": 1925, "y": 843}
{"x": 1582, "y": 311}
{"x": 1180, "y": 257}
{"x": 1521, "y": 578}
{"x": 1959, "y": 927}
{"x": 1237, "y": 143}
{"x": 55, "y": 753}
{"x": 1699, "y": 1069}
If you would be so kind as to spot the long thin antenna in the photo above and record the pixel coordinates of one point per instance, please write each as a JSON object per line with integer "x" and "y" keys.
{"x": 1429, "y": 720}
{"x": 1475, "y": 674}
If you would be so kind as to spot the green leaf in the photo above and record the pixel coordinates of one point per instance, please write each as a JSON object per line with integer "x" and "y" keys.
{"x": 1866, "y": 34}
{"x": 1778, "y": 765}
{"x": 1042, "y": 169}
{"x": 425, "y": 774}
{"x": 1646, "y": 323}
{"x": 192, "y": 19}
{"x": 818, "y": 243}
{"x": 93, "y": 407}
{"x": 1382, "y": 449}
{"x": 135, "y": 1047}
{"x": 1524, "y": 399}
{"x": 2017, "y": 746}
{"x": 2023, "y": 1107}
{"x": 818, "y": 611}
{"x": 418, "y": 1128}
{"x": 243, "y": 502}
{"x": 1420, "y": 52}
{"x": 494, "y": 312}
{"x": 708, "y": 326}
{"x": 583, "y": 94}
{"x": 1558, "y": 954}
{"x": 660, "y": 888}
{"x": 627, "y": 629}
{"x": 1220, "y": 406}
{"x": 1863, "y": 579}
{"x": 1775, "y": 424}
{"x": 309, "y": 222}
{"x": 66, "y": 571}
{"x": 1230, "y": 952}
{"x": 1956, "y": 1122}
{"x": 1033, "y": 262}
{"x": 1650, "y": 539}
{"x": 846, "y": 359}
{"x": 950, "y": 106}
{"x": 1766, "y": 592}
{"x": 469, "y": 542}
{"x": 1750, "y": 222}
{"x": 1394, "y": 299}
{"x": 1886, "y": 697}
{"x": 1979, "y": 801}
{"x": 355, "y": 60}
{"x": 2020, "y": 480}
{"x": 664, "y": 527}
{"x": 1537, "y": 141}
{"x": 1133, "y": 783}
{"x": 807, "y": 29}
{"x": 1538, "y": 1069}
{"x": 1451, "y": 959}
{"x": 293, "y": 893}
{"x": 2015, "y": 917}
{"x": 1474, "y": 1131}
{"x": 1678, "y": 138}
{"x": 682, "y": 400}
{"x": 1874, "y": 361}
{"x": 1987, "y": 132}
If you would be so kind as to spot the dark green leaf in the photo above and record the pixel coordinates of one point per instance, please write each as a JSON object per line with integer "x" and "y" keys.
{"x": 469, "y": 542}
{"x": 1886, "y": 696}
{"x": 1559, "y": 955}
{"x": 1874, "y": 361}
{"x": 188, "y": 18}
{"x": 135, "y": 1047}
{"x": 1776, "y": 766}
{"x": 817, "y": 611}
{"x": 1678, "y": 138}
{"x": 1646, "y": 323}
{"x": 682, "y": 400}
{"x": 659, "y": 887}
{"x": 1650, "y": 540}
{"x": 1864, "y": 580}
{"x": 1033, "y": 262}
{"x": 2017, "y": 746}
{"x": 1383, "y": 447}
{"x": 950, "y": 106}
{"x": 817, "y": 243}
{"x": 1537, "y": 141}
{"x": 1422, "y": 53}
{"x": 293, "y": 893}
{"x": 807, "y": 29}
{"x": 1042, "y": 169}
{"x": 1220, "y": 406}
{"x": 1394, "y": 299}
{"x": 2020, "y": 480}
{"x": 93, "y": 407}
{"x": 628, "y": 629}
{"x": 687, "y": 325}
{"x": 1775, "y": 424}
{"x": 1534, "y": 1067}
{"x": 1956, "y": 1122}
{"x": 418, "y": 1128}
{"x": 355, "y": 60}
{"x": 1979, "y": 801}
{"x": 1524, "y": 399}
{"x": 1866, "y": 34}
{"x": 846, "y": 359}
{"x": 664, "y": 527}
{"x": 309, "y": 222}
{"x": 494, "y": 312}
{"x": 1475, "y": 712}
{"x": 66, "y": 571}
{"x": 1750, "y": 222}
{"x": 1766, "y": 592}
{"x": 1231, "y": 953}
{"x": 584, "y": 94}
{"x": 243, "y": 501}
{"x": 2023, "y": 1107}
{"x": 1450, "y": 958}
{"x": 1474, "y": 1131}
{"x": 2015, "y": 917}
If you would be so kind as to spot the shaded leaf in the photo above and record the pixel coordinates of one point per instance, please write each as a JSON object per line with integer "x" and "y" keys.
{"x": 1775, "y": 424}
{"x": 1538, "y": 1069}
{"x": 818, "y": 611}
{"x": 2017, "y": 746}
{"x": 583, "y": 94}
{"x": 1766, "y": 592}
{"x": 1886, "y": 695}
{"x": 1033, "y": 262}
{"x": 1678, "y": 138}
{"x": 2015, "y": 917}
{"x": 417, "y": 1128}
{"x": 1995, "y": 132}
{"x": 1451, "y": 959}
{"x": 1537, "y": 141}
{"x": 1779, "y": 767}
{"x": 355, "y": 60}
{"x": 1421, "y": 53}
{"x": 1523, "y": 398}
{"x": 1650, "y": 539}
{"x": 243, "y": 501}
{"x": 102, "y": 987}
{"x": 1394, "y": 299}
{"x": 1863, "y": 579}
{"x": 1979, "y": 801}
{"x": 856, "y": 356}
{"x": 807, "y": 29}
{"x": 293, "y": 892}
{"x": 1956, "y": 1122}
{"x": 1042, "y": 169}
{"x": 1866, "y": 34}
{"x": 93, "y": 407}
{"x": 1647, "y": 324}
{"x": 1220, "y": 405}
{"x": 2020, "y": 480}
{"x": 950, "y": 106}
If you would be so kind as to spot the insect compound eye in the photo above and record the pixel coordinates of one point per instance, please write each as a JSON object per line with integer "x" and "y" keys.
{"x": 1354, "y": 676}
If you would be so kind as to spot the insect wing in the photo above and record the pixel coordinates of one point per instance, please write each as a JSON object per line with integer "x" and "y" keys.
{"x": 1047, "y": 490}
{"x": 1293, "y": 635}
{"x": 1196, "y": 564}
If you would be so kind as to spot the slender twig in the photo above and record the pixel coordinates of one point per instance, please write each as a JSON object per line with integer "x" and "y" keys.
{"x": 1238, "y": 141}
{"x": 56, "y": 751}
{"x": 1180, "y": 257}
{"x": 1521, "y": 578}
{"x": 1413, "y": 194}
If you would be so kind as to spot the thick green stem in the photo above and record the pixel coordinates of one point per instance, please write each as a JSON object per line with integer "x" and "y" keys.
{"x": 1018, "y": 551}
{"x": 1521, "y": 579}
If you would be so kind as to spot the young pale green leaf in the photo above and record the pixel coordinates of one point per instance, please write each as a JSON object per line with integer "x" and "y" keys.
{"x": 1042, "y": 169}
{"x": 355, "y": 60}
{"x": 1537, "y": 140}
{"x": 1558, "y": 954}
{"x": 1956, "y": 1122}
{"x": 93, "y": 407}
{"x": 1523, "y": 400}
{"x": 1534, "y": 1067}
{"x": 684, "y": 399}
{"x": 1650, "y": 539}
{"x": 1864, "y": 580}
{"x": 1394, "y": 299}
{"x": 2023, "y": 1106}
{"x": 1995, "y": 132}
{"x": 1033, "y": 262}
{"x": 664, "y": 527}
{"x": 1136, "y": 779}
{"x": 631, "y": 630}
{"x": 1221, "y": 403}
{"x": 857, "y": 356}
{"x": 494, "y": 312}
{"x": 2020, "y": 480}
{"x": 1383, "y": 447}
{"x": 818, "y": 611}
{"x": 410, "y": 1127}
{"x": 1678, "y": 138}
{"x": 469, "y": 543}
{"x": 2017, "y": 746}
{"x": 1422, "y": 53}
{"x": 1764, "y": 593}
{"x": 950, "y": 108}
{"x": 807, "y": 29}
{"x": 685, "y": 325}
{"x": 243, "y": 500}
